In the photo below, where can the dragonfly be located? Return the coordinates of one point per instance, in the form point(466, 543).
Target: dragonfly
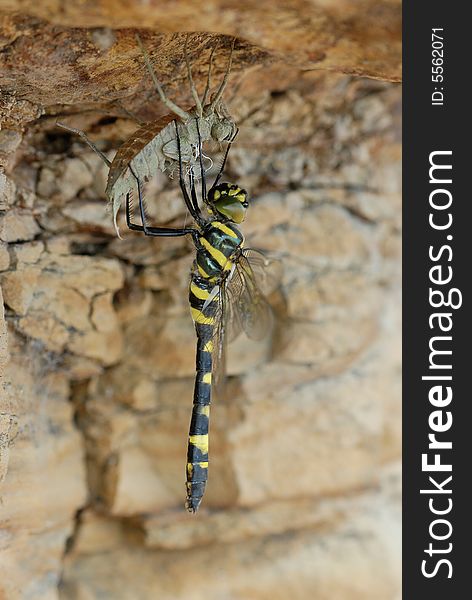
point(228, 283)
point(153, 146)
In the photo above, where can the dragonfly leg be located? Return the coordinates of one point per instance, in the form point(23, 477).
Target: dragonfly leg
point(192, 203)
point(170, 105)
point(153, 231)
point(202, 170)
point(193, 191)
point(223, 164)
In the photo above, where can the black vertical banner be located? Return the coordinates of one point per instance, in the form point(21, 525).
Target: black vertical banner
point(437, 349)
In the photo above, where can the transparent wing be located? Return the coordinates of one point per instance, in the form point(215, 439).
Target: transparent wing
point(242, 306)
point(250, 309)
point(267, 270)
point(220, 340)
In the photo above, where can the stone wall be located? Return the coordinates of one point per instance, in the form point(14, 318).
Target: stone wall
point(97, 346)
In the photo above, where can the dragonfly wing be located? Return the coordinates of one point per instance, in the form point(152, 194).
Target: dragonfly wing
point(267, 270)
point(243, 306)
point(249, 306)
point(219, 343)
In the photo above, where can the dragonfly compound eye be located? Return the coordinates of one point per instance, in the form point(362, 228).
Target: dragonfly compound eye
point(230, 201)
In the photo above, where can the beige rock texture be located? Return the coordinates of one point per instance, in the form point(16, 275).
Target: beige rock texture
point(97, 345)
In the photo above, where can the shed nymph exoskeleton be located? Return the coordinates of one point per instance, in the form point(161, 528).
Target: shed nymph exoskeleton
point(153, 146)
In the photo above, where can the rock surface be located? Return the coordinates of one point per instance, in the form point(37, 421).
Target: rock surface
point(96, 344)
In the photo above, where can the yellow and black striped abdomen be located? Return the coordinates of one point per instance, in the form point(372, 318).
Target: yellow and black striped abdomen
point(197, 454)
point(219, 242)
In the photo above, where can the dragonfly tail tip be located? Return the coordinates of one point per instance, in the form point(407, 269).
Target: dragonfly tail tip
point(192, 504)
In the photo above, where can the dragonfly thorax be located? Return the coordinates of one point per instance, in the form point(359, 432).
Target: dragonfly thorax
point(219, 246)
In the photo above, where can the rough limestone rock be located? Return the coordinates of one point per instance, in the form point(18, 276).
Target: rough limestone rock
point(96, 342)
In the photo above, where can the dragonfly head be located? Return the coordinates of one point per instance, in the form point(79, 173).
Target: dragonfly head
point(229, 201)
